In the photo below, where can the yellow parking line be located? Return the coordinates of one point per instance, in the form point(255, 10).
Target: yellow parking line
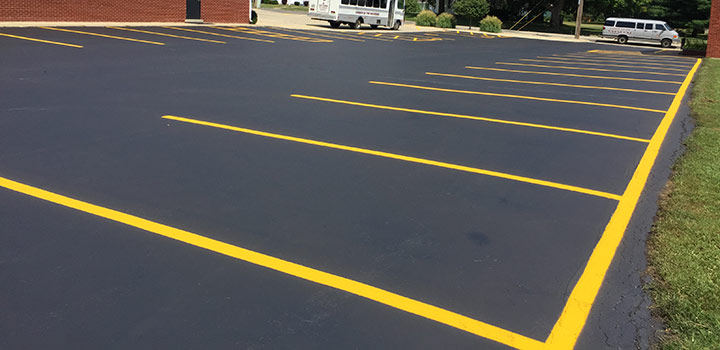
point(403, 158)
point(321, 35)
point(461, 116)
point(346, 35)
point(275, 35)
point(467, 34)
point(573, 75)
point(551, 84)
point(168, 35)
point(631, 63)
point(600, 64)
point(640, 56)
point(567, 329)
point(518, 96)
point(378, 34)
point(218, 34)
point(395, 37)
point(629, 59)
point(592, 69)
point(367, 291)
point(103, 35)
point(41, 41)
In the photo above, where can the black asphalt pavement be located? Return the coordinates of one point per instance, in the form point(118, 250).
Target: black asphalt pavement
point(87, 123)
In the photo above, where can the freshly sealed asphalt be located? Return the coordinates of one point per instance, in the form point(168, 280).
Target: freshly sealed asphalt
point(87, 123)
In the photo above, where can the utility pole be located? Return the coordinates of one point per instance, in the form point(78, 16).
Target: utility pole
point(578, 20)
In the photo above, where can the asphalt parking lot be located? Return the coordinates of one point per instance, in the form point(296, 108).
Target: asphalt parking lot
point(271, 188)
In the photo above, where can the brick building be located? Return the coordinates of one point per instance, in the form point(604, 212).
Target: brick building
point(713, 49)
point(218, 11)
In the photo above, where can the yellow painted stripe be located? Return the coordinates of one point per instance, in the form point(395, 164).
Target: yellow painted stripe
point(103, 35)
point(461, 116)
point(307, 273)
point(401, 157)
point(637, 57)
point(627, 62)
point(567, 329)
point(353, 36)
point(518, 96)
point(275, 35)
point(553, 60)
point(551, 84)
point(592, 69)
point(41, 41)
point(168, 35)
point(574, 75)
point(218, 34)
point(626, 54)
point(315, 33)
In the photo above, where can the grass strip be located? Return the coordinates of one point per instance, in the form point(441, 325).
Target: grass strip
point(684, 247)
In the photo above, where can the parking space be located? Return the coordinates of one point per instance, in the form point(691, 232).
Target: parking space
point(264, 187)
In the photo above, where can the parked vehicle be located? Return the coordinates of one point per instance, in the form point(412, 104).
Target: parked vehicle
point(354, 13)
point(646, 30)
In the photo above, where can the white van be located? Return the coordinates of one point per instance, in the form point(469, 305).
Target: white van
point(624, 29)
point(354, 13)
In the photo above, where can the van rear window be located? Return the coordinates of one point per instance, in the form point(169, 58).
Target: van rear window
point(609, 23)
point(625, 24)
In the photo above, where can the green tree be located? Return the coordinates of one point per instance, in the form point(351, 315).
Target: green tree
point(472, 9)
point(692, 14)
point(412, 7)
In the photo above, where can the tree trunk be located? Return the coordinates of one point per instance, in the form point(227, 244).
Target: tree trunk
point(557, 17)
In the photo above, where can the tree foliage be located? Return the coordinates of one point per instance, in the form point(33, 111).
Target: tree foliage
point(473, 9)
point(693, 14)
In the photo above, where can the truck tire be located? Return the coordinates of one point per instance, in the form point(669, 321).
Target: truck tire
point(622, 39)
point(356, 25)
point(665, 43)
point(334, 24)
point(396, 25)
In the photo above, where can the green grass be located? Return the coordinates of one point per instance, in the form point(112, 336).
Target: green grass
point(684, 248)
point(285, 7)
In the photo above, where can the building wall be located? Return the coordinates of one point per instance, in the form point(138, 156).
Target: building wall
point(713, 49)
point(225, 11)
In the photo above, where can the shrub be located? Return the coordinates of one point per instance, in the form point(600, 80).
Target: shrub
point(472, 9)
point(412, 7)
point(269, 2)
point(491, 24)
point(426, 18)
point(694, 44)
point(446, 20)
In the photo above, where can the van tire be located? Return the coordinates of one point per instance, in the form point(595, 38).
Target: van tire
point(356, 25)
point(665, 43)
point(396, 25)
point(374, 26)
point(622, 39)
point(334, 24)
